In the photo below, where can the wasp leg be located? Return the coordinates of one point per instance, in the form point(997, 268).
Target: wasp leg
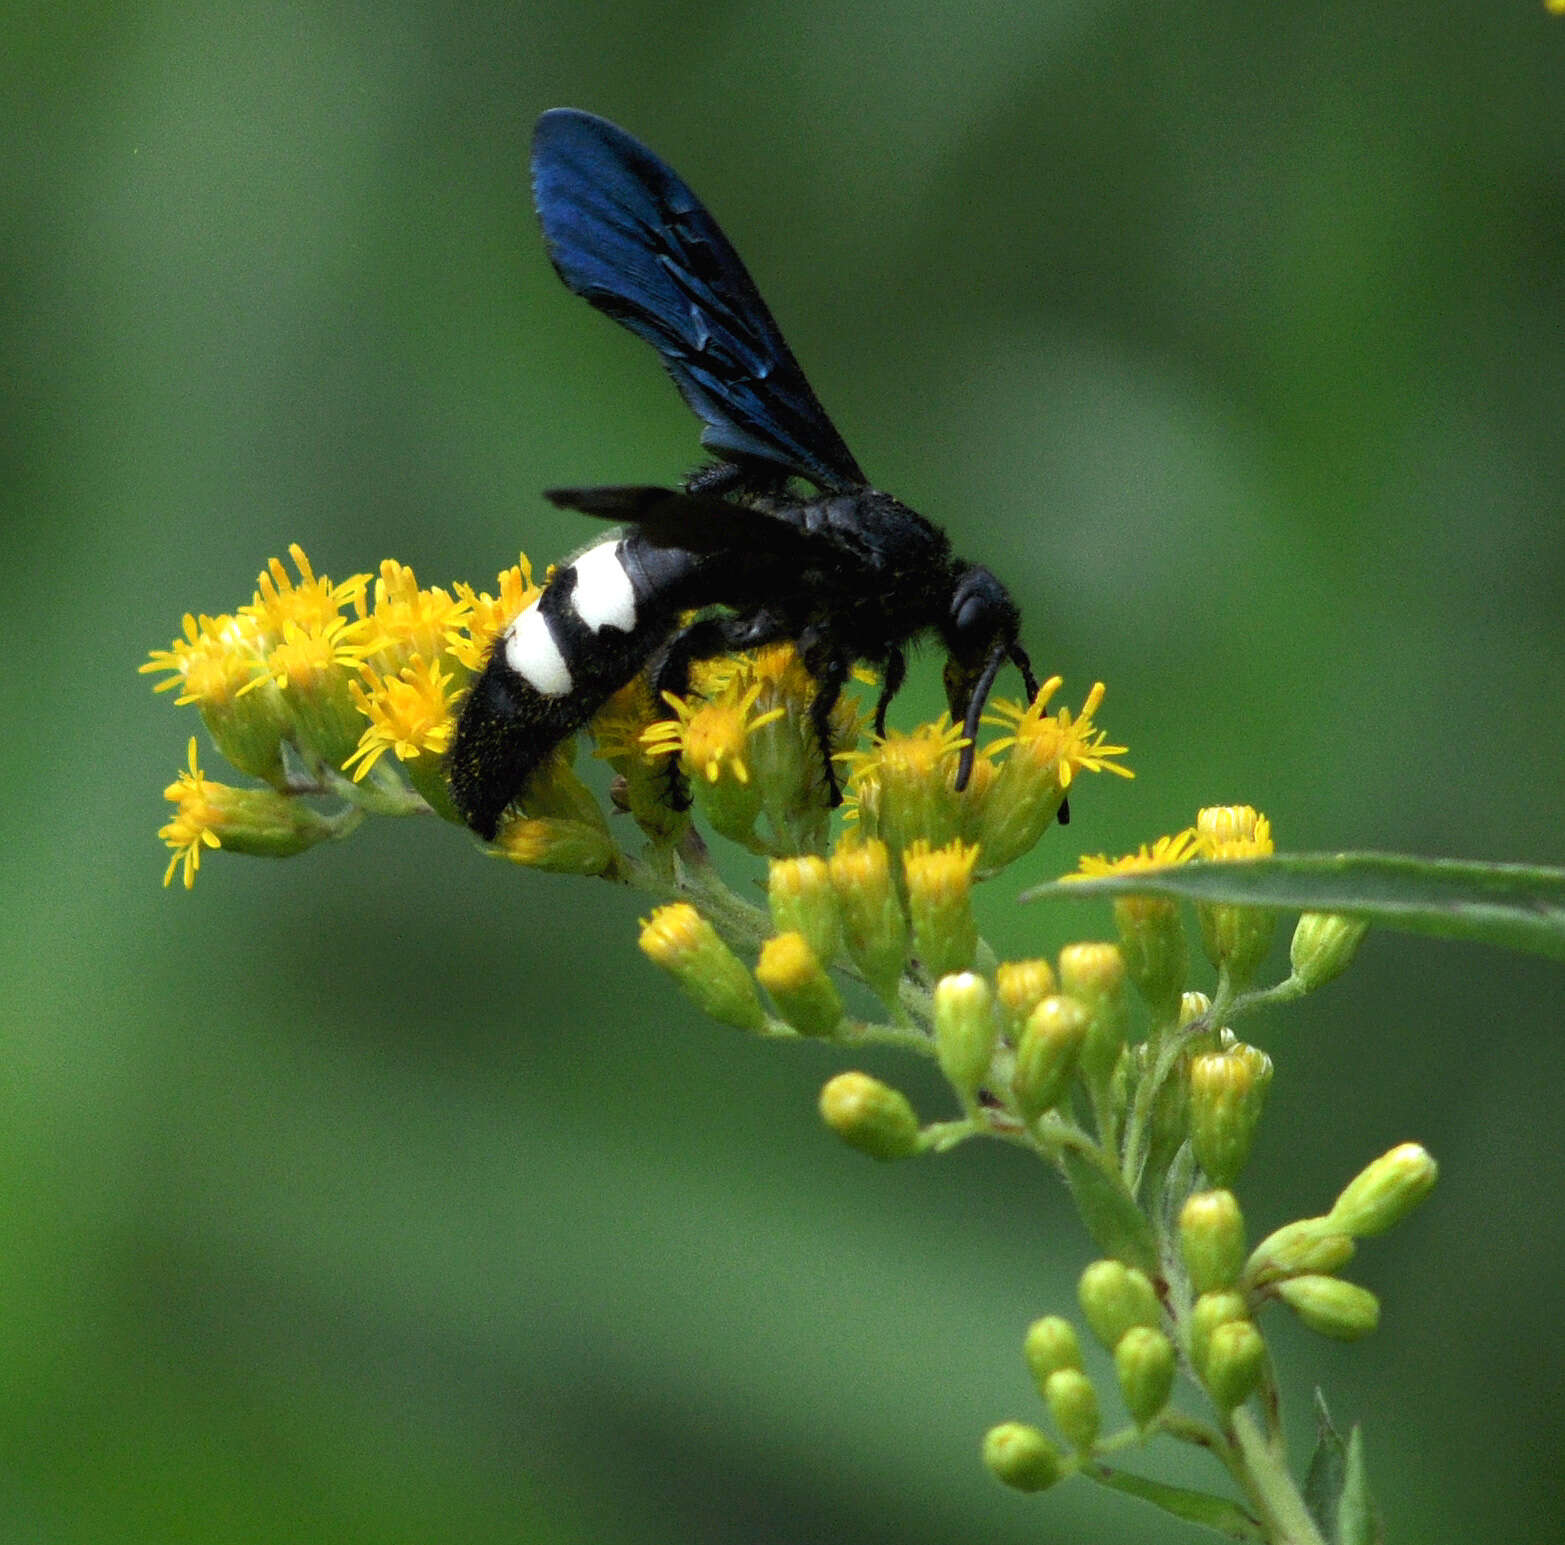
point(704, 639)
point(896, 673)
point(829, 667)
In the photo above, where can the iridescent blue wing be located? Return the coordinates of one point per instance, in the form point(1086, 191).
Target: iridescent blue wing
point(627, 235)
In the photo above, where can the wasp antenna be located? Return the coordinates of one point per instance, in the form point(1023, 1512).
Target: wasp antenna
point(975, 707)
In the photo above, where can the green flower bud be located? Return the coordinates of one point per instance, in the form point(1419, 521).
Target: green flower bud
point(1114, 1298)
point(939, 892)
point(1023, 803)
point(1144, 1362)
point(1019, 987)
point(1335, 1308)
point(1385, 1192)
point(1193, 1006)
point(802, 991)
point(1157, 959)
point(800, 894)
point(732, 805)
point(316, 691)
point(1236, 937)
point(1211, 1239)
point(556, 793)
point(1208, 1312)
point(249, 729)
point(558, 846)
point(1094, 974)
point(1227, 1092)
point(965, 1030)
point(1050, 1346)
point(870, 1116)
point(1324, 944)
point(873, 927)
point(1046, 1055)
point(1073, 1403)
point(1308, 1245)
point(1021, 1456)
point(687, 946)
point(1235, 1361)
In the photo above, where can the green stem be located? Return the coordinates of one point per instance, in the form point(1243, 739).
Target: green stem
point(1266, 1480)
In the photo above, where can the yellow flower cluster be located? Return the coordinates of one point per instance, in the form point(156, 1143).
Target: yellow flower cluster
point(349, 690)
point(309, 685)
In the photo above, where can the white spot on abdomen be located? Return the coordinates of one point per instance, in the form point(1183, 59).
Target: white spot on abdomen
point(603, 596)
point(530, 651)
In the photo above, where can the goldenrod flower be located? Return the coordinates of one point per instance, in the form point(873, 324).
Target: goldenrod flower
point(488, 616)
point(1046, 739)
point(870, 1116)
point(1144, 1364)
point(709, 737)
point(1020, 1456)
point(219, 666)
point(801, 900)
point(1233, 831)
point(1038, 761)
point(1150, 932)
point(939, 886)
point(1236, 938)
point(710, 740)
point(409, 713)
point(214, 815)
point(304, 657)
point(619, 728)
point(308, 604)
point(311, 668)
point(681, 941)
point(406, 622)
point(901, 788)
point(803, 993)
point(195, 821)
point(873, 925)
point(616, 732)
point(556, 845)
point(213, 663)
point(1019, 987)
point(1163, 853)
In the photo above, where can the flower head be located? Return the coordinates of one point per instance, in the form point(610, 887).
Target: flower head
point(214, 815)
point(1163, 853)
point(213, 663)
point(409, 714)
point(195, 821)
point(1056, 740)
point(308, 603)
point(407, 622)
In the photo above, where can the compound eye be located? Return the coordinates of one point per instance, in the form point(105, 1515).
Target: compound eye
point(972, 617)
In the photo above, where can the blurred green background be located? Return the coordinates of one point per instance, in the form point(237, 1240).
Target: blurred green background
point(389, 1195)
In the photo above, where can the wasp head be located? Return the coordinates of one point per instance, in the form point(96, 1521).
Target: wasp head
point(980, 633)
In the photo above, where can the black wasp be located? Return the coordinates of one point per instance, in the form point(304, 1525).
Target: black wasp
point(845, 572)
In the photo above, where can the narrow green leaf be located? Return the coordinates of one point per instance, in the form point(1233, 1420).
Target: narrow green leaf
point(1358, 1519)
point(1515, 906)
point(1336, 1489)
point(1118, 1226)
point(1197, 1507)
point(1323, 1481)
